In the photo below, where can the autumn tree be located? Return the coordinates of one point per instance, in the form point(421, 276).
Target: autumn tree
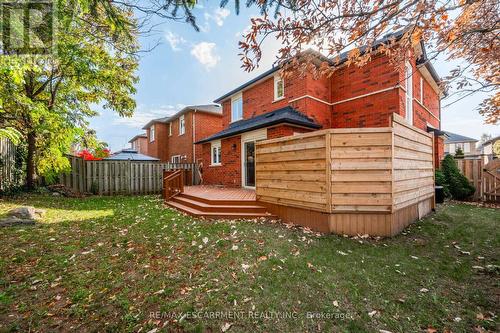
point(465, 30)
point(48, 98)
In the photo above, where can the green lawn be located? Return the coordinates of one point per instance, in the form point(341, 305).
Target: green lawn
point(128, 264)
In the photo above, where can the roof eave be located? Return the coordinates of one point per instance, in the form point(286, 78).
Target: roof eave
point(259, 126)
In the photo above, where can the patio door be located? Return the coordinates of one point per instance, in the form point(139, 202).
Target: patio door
point(249, 163)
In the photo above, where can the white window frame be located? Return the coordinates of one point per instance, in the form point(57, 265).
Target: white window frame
point(236, 99)
point(467, 147)
point(152, 133)
point(182, 125)
point(277, 80)
point(422, 91)
point(409, 92)
point(175, 157)
point(218, 156)
point(170, 129)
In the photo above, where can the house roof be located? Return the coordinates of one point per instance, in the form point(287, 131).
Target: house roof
point(336, 61)
point(436, 131)
point(492, 140)
point(207, 108)
point(284, 115)
point(142, 135)
point(129, 154)
point(453, 137)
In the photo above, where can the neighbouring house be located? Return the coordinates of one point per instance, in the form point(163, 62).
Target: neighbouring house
point(455, 141)
point(129, 154)
point(270, 106)
point(487, 151)
point(140, 143)
point(171, 139)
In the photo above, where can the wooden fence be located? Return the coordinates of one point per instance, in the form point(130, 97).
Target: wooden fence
point(473, 170)
point(368, 180)
point(484, 177)
point(347, 170)
point(8, 177)
point(108, 177)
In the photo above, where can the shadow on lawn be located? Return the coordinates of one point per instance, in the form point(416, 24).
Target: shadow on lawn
point(144, 258)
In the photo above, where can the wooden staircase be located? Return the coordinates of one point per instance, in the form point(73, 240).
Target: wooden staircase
point(215, 207)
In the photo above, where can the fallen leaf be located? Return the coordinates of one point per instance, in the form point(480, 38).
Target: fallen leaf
point(225, 327)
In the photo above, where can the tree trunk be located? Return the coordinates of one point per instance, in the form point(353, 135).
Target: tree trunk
point(30, 161)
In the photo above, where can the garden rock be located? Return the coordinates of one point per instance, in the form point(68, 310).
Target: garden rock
point(25, 215)
point(26, 212)
point(10, 221)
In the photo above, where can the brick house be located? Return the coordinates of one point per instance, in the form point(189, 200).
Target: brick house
point(140, 143)
point(270, 107)
point(171, 139)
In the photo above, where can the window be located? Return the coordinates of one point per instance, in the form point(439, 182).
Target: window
point(169, 129)
point(279, 88)
point(152, 133)
point(422, 90)
point(176, 159)
point(216, 153)
point(182, 125)
point(409, 92)
point(467, 147)
point(237, 107)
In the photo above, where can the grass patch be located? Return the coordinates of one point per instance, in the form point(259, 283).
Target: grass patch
point(123, 264)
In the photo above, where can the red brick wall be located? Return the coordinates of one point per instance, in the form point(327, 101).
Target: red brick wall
point(375, 110)
point(259, 99)
point(229, 172)
point(370, 111)
point(141, 144)
point(206, 124)
point(182, 144)
point(284, 130)
point(159, 147)
point(438, 151)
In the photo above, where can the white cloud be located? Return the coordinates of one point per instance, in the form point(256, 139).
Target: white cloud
point(218, 16)
point(174, 40)
point(205, 53)
point(144, 114)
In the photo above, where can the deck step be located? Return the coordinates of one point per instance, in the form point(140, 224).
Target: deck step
point(216, 214)
point(216, 207)
point(218, 201)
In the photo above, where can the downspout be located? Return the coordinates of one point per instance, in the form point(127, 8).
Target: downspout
point(194, 136)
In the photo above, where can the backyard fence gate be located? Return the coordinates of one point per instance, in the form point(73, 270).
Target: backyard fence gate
point(484, 177)
point(107, 177)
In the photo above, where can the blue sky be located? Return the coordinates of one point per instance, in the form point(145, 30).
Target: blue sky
point(190, 67)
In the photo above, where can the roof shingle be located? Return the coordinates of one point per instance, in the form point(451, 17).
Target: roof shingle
point(284, 115)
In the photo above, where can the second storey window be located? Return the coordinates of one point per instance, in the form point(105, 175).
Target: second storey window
point(216, 153)
point(237, 107)
point(152, 133)
point(421, 90)
point(182, 125)
point(279, 88)
point(409, 92)
point(169, 129)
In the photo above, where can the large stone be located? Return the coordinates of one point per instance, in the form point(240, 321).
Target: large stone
point(14, 220)
point(26, 212)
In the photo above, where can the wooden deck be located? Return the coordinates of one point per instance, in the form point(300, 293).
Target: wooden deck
point(215, 193)
point(216, 202)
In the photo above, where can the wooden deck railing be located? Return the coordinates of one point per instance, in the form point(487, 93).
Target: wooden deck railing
point(173, 183)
